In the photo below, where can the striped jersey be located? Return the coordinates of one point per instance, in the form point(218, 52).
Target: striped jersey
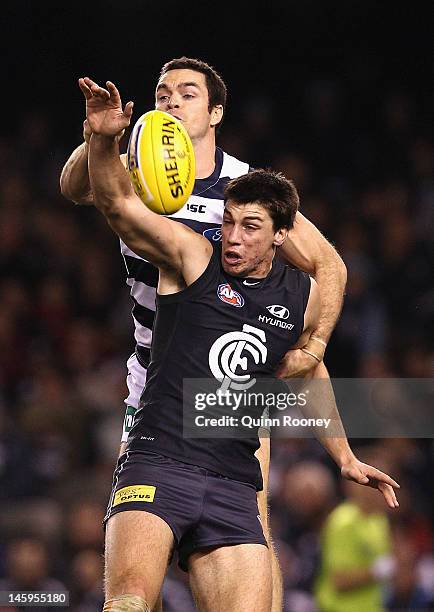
point(203, 212)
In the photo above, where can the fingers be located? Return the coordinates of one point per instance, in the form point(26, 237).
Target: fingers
point(85, 88)
point(128, 111)
point(389, 495)
point(370, 476)
point(91, 89)
point(372, 472)
point(113, 92)
point(356, 475)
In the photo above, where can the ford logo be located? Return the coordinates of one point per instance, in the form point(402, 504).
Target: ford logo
point(214, 234)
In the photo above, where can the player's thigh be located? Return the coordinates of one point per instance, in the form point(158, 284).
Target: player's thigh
point(138, 546)
point(232, 578)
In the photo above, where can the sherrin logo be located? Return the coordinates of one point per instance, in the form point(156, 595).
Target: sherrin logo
point(229, 296)
point(135, 493)
point(278, 311)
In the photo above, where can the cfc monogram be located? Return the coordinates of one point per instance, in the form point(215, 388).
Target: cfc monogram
point(227, 356)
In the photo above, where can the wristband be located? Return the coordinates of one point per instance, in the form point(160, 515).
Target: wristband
point(311, 354)
point(319, 340)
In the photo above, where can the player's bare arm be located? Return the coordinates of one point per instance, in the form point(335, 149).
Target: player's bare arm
point(337, 447)
point(161, 241)
point(307, 249)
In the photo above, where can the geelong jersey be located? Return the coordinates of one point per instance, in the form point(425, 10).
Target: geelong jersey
point(203, 212)
point(219, 319)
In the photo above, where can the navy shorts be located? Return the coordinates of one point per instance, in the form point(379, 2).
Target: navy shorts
point(202, 508)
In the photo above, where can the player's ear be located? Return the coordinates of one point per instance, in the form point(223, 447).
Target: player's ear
point(216, 114)
point(280, 236)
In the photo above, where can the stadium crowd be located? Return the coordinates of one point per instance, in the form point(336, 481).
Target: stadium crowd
point(367, 181)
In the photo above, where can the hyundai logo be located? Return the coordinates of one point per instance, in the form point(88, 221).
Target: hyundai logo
point(278, 311)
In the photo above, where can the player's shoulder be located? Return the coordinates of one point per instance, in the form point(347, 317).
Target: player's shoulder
point(233, 167)
point(294, 277)
point(189, 237)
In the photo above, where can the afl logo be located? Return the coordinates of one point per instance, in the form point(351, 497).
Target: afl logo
point(229, 296)
point(213, 234)
point(278, 311)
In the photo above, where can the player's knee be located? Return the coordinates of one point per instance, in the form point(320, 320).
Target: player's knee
point(126, 603)
point(123, 580)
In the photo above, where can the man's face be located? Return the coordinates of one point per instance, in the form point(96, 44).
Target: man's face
point(183, 93)
point(248, 240)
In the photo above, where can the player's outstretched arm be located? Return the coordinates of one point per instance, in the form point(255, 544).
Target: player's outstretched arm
point(307, 249)
point(160, 240)
point(74, 179)
point(322, 405)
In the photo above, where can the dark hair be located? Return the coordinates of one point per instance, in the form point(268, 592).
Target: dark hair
point(270, 189)
point(215, 85)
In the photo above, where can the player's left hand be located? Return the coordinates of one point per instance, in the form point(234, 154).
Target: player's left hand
point(104, 112)
point(295, 364)
point(367, 475)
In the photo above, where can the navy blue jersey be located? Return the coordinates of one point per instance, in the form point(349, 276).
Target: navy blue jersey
point(220, 326)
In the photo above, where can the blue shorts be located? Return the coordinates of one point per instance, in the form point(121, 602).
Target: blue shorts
point(202, 508)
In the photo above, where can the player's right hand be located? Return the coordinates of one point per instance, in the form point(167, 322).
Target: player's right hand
point(104, 113)
point(295, 364)
point(370, 476)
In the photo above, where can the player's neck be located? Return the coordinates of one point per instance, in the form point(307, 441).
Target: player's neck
point(262, 270)
point(204, 150)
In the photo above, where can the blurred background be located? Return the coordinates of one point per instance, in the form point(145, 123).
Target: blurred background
point(336, 95)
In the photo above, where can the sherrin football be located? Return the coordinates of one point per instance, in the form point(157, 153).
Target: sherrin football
point(160, 162)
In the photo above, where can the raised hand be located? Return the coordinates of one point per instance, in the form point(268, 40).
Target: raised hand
point(104, 112)
point(368, 475)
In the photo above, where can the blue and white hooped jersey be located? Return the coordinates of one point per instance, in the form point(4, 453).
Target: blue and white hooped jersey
point(203, 212)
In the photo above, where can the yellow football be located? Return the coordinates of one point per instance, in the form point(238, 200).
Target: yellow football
point(160, 162)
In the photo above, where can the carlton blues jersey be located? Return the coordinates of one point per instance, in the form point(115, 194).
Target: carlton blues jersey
point(219, 326)
point(203, 212)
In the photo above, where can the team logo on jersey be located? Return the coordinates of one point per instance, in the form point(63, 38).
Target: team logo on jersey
point(213, 234)
point(228, 360)
point(229, 296)
point(278, 311)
